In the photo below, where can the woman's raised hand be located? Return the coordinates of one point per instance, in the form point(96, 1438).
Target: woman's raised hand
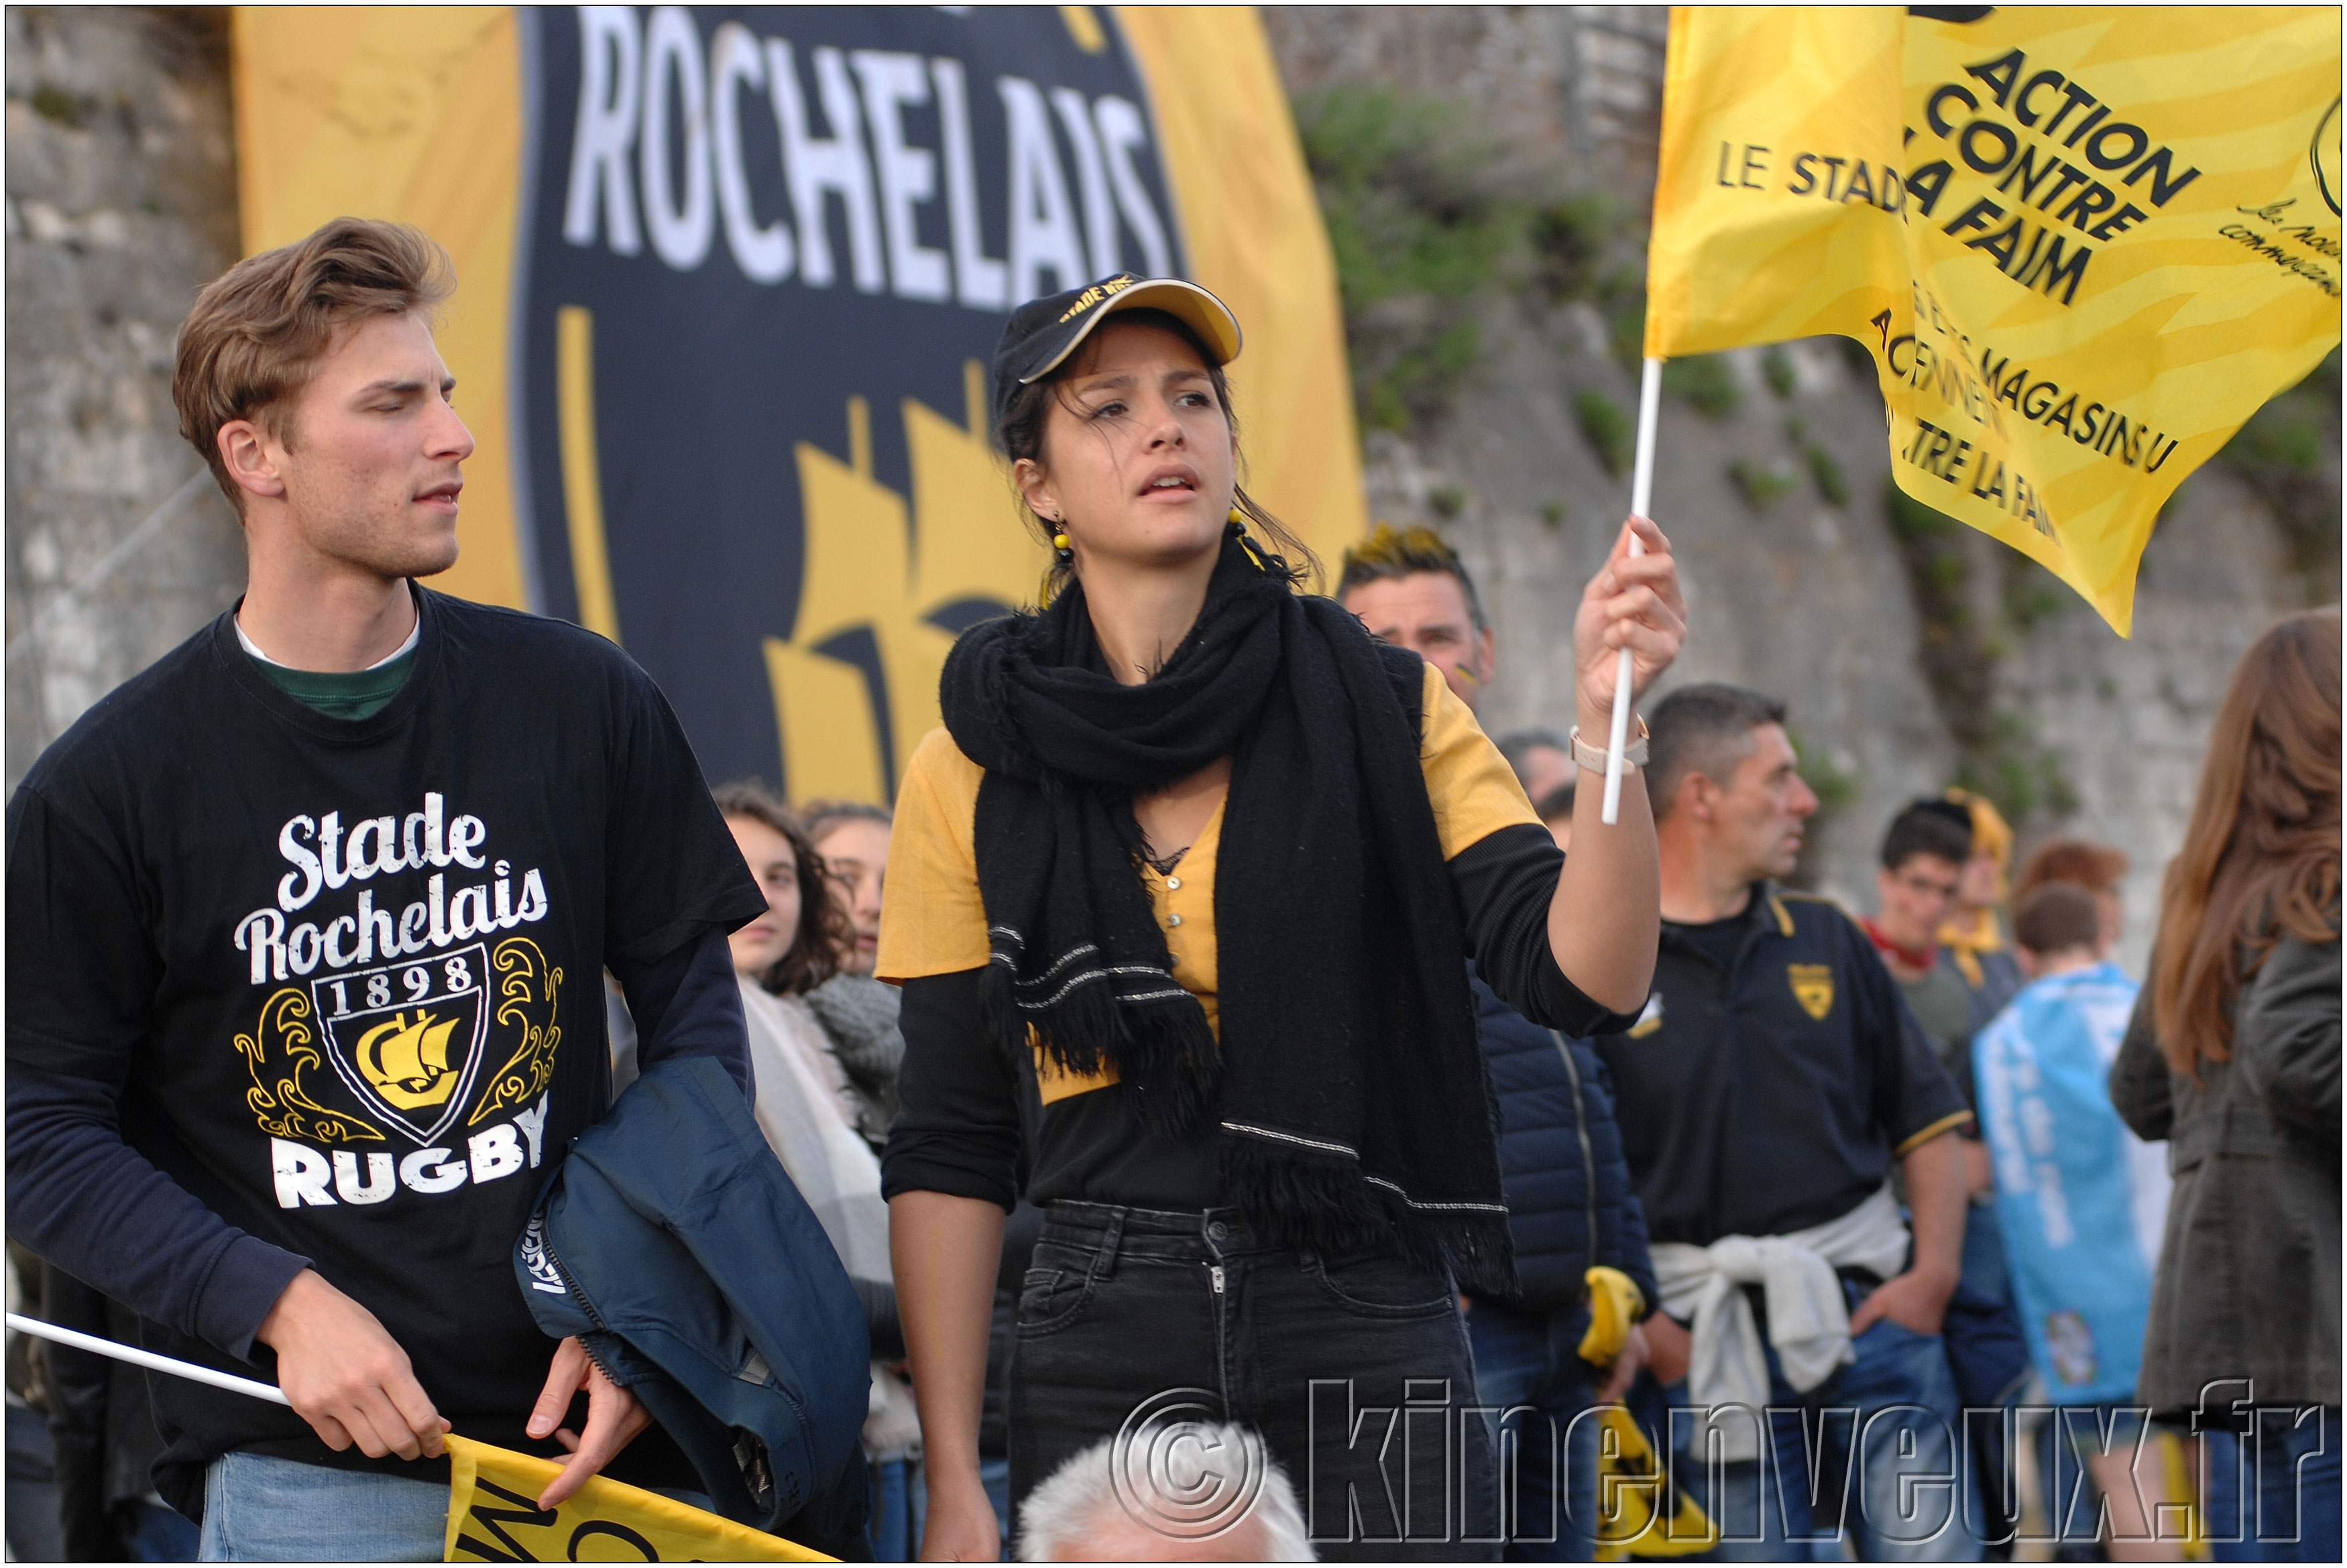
point(1633, 602)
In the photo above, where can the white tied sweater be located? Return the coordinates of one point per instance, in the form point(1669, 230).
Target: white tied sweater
point(1808, 1321)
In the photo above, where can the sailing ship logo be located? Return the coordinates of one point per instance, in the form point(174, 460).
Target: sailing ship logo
point(408, 1063)
point(407, 1038)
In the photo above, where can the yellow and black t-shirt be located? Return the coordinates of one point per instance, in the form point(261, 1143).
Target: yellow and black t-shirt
point(968, 1115)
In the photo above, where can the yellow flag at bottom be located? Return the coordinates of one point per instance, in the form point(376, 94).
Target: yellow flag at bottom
point(494, 1517)
point(1641, 1511)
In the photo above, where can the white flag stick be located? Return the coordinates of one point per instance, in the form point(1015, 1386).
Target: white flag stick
point(1641, 497)
point(148, 1358)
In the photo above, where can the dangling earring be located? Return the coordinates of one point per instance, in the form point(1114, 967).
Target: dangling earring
point(1254, 553)
point(1060, 545)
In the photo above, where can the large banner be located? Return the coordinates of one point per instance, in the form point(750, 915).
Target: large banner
point(2084, 243)
point(729, 281)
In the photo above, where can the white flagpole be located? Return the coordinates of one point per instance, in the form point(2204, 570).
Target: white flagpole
point(148, 1358)
point(1642, 498)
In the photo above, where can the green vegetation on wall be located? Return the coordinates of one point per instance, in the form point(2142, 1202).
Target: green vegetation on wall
point(1420, 237)
point(1607, 429)
point(2288, 452)
point(1832, 485)
point(1705, 382)
point(1430, 224)
point(1997, 749)
point(1762, 485)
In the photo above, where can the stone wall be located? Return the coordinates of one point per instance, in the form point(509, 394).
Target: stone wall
point(1799, 595)
point(121, 202)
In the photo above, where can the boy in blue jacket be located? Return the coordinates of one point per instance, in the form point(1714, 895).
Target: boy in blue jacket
point(2081, 1203)
point(1568, 1340)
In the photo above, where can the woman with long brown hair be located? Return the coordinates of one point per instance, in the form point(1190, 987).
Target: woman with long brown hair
point(2233, 1058)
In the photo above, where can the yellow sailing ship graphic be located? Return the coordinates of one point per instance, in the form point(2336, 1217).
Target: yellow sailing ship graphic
point(409, 1038)
point(408, 1063)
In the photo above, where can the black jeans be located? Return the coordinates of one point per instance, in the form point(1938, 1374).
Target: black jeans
point(1354, 1370)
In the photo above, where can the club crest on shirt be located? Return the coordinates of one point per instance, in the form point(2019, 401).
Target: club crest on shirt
point(1813, 988)
point(407, 1038)
point(454, 1053)
point(412, 1046)
point(402, 1014)
point(1650, 1020)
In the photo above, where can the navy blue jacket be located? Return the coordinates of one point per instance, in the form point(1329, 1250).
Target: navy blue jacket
point(673, 1244)
point(1569, 1202)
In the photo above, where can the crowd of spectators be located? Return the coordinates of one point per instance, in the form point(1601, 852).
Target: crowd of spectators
point(1911, 1233)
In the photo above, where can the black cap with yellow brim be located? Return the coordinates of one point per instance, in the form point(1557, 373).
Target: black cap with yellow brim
point(1042, 333)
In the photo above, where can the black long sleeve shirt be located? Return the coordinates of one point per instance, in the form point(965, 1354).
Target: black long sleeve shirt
point(969, 1113)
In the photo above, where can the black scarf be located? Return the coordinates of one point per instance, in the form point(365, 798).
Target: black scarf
point(1348, 1087)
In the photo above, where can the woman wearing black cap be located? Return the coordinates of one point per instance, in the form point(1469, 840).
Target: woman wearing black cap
point(1179, 899)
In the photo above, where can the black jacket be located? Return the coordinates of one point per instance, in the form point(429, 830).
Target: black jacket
point(1570, 1202)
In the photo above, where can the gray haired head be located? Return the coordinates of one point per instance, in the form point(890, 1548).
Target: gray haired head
point(1233, 1503)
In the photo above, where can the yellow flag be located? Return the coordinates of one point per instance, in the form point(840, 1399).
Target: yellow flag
point(1641, 1512)
point(2084, 243)
point(494, 1517)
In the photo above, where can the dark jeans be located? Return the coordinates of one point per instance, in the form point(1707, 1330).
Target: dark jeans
point(2274, 1496)
point(1982, 1263)
point(1866, 1462)
point(1529, 1372)
point(1354, 1370)
point(155, 1534)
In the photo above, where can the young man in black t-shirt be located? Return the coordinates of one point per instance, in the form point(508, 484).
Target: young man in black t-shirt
point(305, 926)
point(1766, 1095)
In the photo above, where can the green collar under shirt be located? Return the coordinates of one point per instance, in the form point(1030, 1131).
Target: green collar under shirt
point(340, 694)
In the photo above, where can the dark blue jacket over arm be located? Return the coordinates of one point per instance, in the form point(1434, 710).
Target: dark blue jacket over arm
point(1570, 1202)
point(673, 1244)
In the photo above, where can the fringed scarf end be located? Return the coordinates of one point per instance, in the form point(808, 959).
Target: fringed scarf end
point(1163, 1050)
point(1170, 1058)
point(1325, 1206)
